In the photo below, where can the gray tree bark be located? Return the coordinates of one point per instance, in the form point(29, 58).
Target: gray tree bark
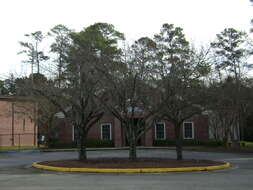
point(179, 142)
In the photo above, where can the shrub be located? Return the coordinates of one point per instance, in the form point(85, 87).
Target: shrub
point(62, 145)
point(52, 142)
point(213, 142)
point(92, 143)
point(167, 142)
point(170, 142)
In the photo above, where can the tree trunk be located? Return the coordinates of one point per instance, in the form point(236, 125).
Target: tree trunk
point(242, 120)
point(132, 149)
point(48, 133)
point(82, 146)
point(179, 144)
point(226, 138)
point(49, 130)
point(132, 145)
point(38, 68)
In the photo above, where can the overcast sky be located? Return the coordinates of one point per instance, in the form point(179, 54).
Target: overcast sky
point(200, 19)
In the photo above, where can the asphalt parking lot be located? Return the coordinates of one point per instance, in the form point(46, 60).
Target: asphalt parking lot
point(16, 173)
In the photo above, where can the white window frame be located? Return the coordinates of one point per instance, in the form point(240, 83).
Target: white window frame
point(192, 130)
point(164, 130)
point(101, 130)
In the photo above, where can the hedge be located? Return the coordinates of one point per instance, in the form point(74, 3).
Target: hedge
point(169, 142)
point(92, 143)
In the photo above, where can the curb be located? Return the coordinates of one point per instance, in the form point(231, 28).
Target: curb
point(134, 170)
point(20, 151)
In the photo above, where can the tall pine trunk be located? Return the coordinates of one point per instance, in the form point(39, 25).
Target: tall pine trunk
point(179, 143)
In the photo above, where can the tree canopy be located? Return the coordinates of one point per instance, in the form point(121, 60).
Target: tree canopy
point(160, 78)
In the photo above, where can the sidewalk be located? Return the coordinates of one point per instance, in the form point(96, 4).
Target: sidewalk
point(110, 148)
point(187, 148)
point(88, 149)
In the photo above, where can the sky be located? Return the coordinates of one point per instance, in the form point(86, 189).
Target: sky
point(200, 19)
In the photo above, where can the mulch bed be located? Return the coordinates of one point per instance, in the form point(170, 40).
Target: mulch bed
point(126, 163)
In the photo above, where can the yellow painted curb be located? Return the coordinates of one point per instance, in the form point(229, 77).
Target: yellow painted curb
point(134, 170)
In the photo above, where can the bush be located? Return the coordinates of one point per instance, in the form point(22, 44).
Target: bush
point(213, 142)
point(169, 142)
point(62, 145)
point(92, 143)
point(246, 143)
point(52, 142)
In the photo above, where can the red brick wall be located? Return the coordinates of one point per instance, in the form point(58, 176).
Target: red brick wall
point(149, 137)
point(200, 129)
point(95, 131)
point(5, 118)
point(170, 130)
point(17, 120)
point(65, 131)
point(117, 137)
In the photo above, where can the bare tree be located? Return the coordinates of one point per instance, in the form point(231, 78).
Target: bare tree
point(224, 109)
point(130, 93)
point(78, 98)
point(179, 71)
point(231, 47)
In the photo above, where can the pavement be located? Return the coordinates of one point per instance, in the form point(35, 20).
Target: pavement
point(16, 173)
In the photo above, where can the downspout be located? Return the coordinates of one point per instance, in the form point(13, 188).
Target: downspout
point(35, 124)
point(12, 123)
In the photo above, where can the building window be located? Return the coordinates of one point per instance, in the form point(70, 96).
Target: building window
point(106, 131)
point(188, 130)
point(160, 131)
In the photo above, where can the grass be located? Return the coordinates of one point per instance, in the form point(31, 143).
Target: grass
point(247, 143)
point(7, 148)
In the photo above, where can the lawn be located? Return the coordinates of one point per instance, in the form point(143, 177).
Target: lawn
point(6, 148)
point(247, 143)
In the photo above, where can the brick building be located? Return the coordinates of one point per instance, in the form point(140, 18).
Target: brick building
point(109, 128)
point(17, 121)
